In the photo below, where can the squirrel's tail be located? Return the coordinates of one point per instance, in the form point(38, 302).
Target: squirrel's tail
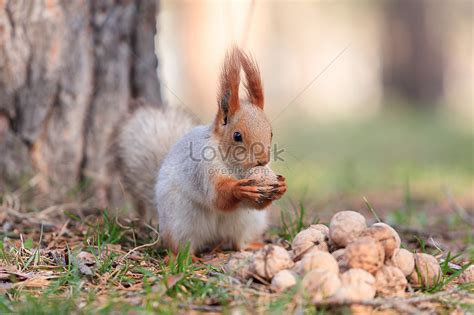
point(141, 143)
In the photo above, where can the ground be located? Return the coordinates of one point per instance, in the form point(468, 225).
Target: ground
point(72, 258)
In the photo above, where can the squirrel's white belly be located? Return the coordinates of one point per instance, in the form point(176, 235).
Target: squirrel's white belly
point(203, 227)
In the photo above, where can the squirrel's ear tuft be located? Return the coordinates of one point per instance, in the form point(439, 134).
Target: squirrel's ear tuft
point(253, 83)
point(224, 105)
point(228, 94)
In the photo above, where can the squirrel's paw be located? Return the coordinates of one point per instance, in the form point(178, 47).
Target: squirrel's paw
point(247, 189)
point(280, 188)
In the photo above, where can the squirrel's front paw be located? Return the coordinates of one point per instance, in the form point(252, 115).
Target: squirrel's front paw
point(280, 187)
point(246, 189)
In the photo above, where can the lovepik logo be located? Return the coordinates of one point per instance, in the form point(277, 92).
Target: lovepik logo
point(234, 153)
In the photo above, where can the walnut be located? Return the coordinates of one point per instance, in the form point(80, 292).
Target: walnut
point(269, 260)
point(390, 282)
point(359, 283)
point(332, 246)
point(403, 260)
point(341, 259)
point(317, 259)
point(238, 265)
point(345, 227)
point(386, 235)
point(306, 240)
point(338, 254)
point(296, 266)
point(322, 228)
point(263, 175)
point(427, 271)
point(283, 280)
point(365, 253)
point(467, 276)
point(321, 284)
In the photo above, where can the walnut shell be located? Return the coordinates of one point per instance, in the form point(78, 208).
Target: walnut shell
point(467, 276)
point(360, 284)
point(390, 282)
point(322, 228)
point(317, 260)
point(269, 260)
point(403, 260)
point(341, 259)
point(338, 254)
point(283, 280)
point(296, 266)
point(365, 253)
point(238, 265)
point(321, 284)
point(386, 235)
point(263, 175)
point(345, 227)
point(427, 271)
point(306, 240)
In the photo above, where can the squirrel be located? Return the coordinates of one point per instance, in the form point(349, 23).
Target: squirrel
point(194, 176)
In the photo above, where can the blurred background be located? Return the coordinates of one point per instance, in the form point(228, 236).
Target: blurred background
point(366, 98)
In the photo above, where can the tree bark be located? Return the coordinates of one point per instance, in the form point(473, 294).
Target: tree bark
point(68, 70)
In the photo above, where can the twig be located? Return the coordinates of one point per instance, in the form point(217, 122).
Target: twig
point(433, 242)
point(140, 247)
point(144, 245)
point(202, 308)
point(152, 228)
point(121, 225)
point(401, 304)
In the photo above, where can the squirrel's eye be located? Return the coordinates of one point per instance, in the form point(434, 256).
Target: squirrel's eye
point(237, 136)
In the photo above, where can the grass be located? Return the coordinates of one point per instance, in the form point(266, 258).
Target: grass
point(149, 283)
point(448, 274)
point(293, 221)
point(327, 167)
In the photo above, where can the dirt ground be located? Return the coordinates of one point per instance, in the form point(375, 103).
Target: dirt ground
point(70, 258)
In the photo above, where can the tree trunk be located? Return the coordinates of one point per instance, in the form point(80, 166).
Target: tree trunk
point(412, 54)
point(68, 70)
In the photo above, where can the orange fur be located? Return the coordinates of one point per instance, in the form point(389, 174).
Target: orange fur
point(253, 83)
point(225, 199)
point(228, 94)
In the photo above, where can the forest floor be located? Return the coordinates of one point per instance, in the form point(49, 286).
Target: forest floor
point(71, 259)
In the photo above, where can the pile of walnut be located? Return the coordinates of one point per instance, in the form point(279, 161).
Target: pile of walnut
point(347, 261)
